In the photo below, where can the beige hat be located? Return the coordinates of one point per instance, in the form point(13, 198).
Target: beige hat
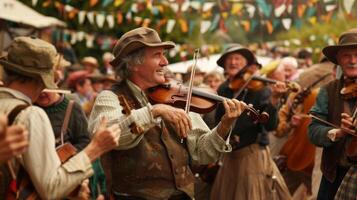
point(347, 40)
point(90, 60)
point(61, 62)
point(237, 48)
point(32, 57)
point(135, 39)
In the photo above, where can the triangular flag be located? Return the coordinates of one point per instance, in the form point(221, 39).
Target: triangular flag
point(92, 2)
point(290, 8)
point(195, 4)
point(73, 38)
point(129, 16)
point(253, 25)
point(34, 2)
point(279, 10)
point(264, 7)
point(250, 9)
point(185, 6)
point(170, 25)
point(301, 9)
point(327, 18)
point(110, 20)
point(118, 2)
point(276, 23)
point(286, 23)
point(246, 25)
point(191, 26)
point(100, 18)
point(80, 35)
point(214, 22)
point(348, 4)
point(298, 23)
point(105, 3)
point(146, 22)
point(224, 15)
point(81, 16)
point(205, 24)
point(134, 8)
point(174, 7)
point(184, 26)
point(72, 14)
point(155, 10)
point(313, 20)
point(311, 12)
point(330, 7)
point(90, 16)
point(207, 6)
point(138, 20)
point(119, 17)
point(269, 27)
point(236, 8)
point(89, 40)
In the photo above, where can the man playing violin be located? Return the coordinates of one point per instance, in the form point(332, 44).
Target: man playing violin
point(152, 162)
point(337, 107)
point(255, 174)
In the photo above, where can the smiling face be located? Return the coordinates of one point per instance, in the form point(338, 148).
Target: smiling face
point(347, 59)
point(233, 63)
point(47, 99)
point(151, 72)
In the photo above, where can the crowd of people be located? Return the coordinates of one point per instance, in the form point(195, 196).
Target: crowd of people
point(104, 130)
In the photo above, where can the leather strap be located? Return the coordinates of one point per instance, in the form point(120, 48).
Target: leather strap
point(66, 120)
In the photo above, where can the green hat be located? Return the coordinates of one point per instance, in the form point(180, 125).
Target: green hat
point(136, 39)
point(32, 57)
point(236, 48)
point(347, 40)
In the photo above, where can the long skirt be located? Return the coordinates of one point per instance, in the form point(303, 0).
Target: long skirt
point(249, 173)
point(348, 187)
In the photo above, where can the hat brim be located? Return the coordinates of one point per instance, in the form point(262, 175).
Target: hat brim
point(47, 76)
point(134, 45)
point(331, 51)
point(243, 51)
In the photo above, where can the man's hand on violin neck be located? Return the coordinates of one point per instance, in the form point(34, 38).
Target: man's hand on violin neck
point(175, 116)
point(347, 123)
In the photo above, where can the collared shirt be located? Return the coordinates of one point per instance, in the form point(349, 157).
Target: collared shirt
point(204, 145)
point(51, 179)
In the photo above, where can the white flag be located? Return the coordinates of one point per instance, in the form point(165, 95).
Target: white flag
point(205, 26)
point(110, 21)
point(170, 25)
point(90, 16)
point(89, 40)
point(81, 16)
point(286, 23)
point(348, 5)
point(279, 10)
point(100, 18)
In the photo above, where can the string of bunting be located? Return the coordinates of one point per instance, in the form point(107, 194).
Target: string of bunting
point(213, 14)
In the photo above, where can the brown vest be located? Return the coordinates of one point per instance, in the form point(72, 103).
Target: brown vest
point(331, 155)
point(154, 168)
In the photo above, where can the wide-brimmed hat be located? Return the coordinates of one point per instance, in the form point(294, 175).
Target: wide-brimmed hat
point(346, 40)
point(90, 60)
point(32, 57)
point(136, 39)
point(236, 48)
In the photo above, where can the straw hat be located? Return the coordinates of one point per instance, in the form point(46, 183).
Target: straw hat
point(90, 60)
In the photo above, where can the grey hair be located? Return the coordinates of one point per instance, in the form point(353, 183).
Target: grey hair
point(12, 76)
point(124, 69)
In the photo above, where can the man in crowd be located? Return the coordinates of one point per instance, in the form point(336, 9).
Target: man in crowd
point(336, 106)
point(153, 163)
point(28, 70)
point(248, 172)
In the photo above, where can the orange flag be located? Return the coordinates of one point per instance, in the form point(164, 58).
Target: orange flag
point(301, 9)
point(93, 2)
point(184, 26)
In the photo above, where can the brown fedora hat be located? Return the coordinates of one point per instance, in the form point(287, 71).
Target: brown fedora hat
point(136, 39)
point(32, 57)
point(347, 39)
point(236, 48)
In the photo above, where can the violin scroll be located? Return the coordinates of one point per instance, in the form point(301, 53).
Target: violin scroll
point(256, 116)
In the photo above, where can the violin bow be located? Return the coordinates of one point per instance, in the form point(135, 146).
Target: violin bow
point(190, 87)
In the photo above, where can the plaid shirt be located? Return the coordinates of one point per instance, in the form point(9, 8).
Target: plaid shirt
point(348, 187)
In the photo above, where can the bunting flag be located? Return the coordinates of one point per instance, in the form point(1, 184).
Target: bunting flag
point(279, 10)
point(117, 3)
point(170, 25)
point(207, 6)
point(313, 20)
point(90, 16)
point(301, 10)
point(327, 18)
point(236, 8)
point(191, 27)
point(174, 7)
point(119, 17)
point(100, 19)
point(264, 7)
point(253, 25)
point(81, 16)
point(298, 23)
point(205, 24)
point(183, 25)
point(110, 21)
point(330, 7)
point(250, 9)
point(348, 4)
point(246, 25)
point(106, 3)
point(276, 23)
point(80, 36)
point(195, 4)
point(185, 6)
point(92, 2)
point(269, 27)
point(214, 22)
point(89, 40)
point(34, 2)
point(311, 11)
point(286, 23)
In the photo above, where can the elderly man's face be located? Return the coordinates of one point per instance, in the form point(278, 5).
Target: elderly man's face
point(233, 63)
point(347, 59)
point(152, 71)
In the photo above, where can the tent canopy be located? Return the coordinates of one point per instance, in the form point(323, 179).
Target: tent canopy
point(15, 11)
point(206, 64)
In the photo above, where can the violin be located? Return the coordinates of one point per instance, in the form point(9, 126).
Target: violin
point(349, 90)
point(253, 82)
point(175, 94)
